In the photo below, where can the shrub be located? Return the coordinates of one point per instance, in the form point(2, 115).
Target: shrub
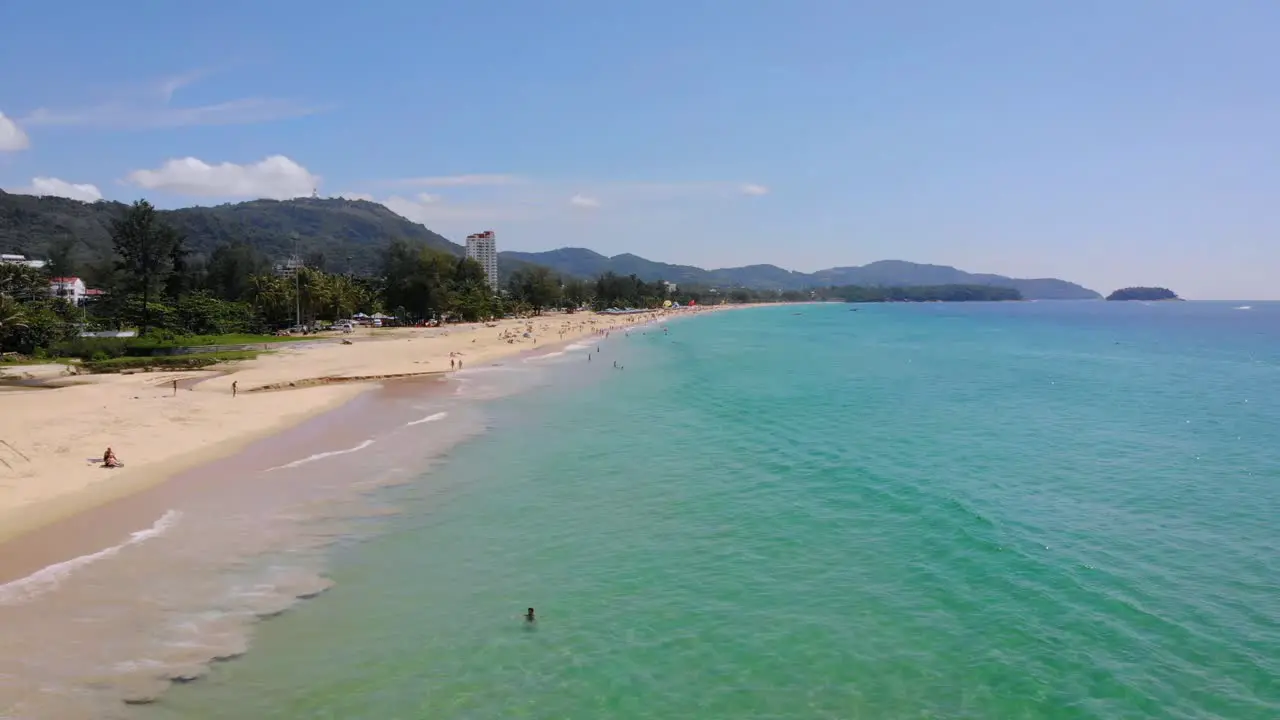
point(97, 348)
point(183, 362)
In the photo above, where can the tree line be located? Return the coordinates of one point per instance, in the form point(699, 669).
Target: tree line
point(155, 284)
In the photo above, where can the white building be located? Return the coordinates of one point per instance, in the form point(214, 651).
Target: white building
point(71, 289)
point(289, 267)
point(482, 248)
point(22, 260)
point(671, 288)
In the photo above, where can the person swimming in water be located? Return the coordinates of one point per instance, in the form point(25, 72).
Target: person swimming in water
point(529, 618)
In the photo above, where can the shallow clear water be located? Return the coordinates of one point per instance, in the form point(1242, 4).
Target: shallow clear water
point(1030, 510)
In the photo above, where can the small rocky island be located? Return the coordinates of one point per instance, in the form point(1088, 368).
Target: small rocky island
point(1144, 293)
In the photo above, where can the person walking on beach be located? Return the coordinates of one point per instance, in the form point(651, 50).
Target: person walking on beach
point(175, 388)
point(234, 384)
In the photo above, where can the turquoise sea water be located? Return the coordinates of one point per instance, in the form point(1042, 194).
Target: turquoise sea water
point(1029, 510)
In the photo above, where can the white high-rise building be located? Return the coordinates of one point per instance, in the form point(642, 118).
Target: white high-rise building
point(482, 248)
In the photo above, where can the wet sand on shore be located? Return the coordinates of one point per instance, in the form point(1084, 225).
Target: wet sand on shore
point(52, 440)
point(110, 606)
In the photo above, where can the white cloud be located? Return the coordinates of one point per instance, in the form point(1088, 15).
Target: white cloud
point(515, 201)
point(632, 192)
point(591, 193)
point(275, 177)
point(12, 137)
point(475, 180)
point(441, 216)
point(61, 188)
point(408, 209)
point(151, 106)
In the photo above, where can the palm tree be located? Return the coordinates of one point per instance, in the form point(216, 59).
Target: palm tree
point(11, 314)
point(271, 297)
point(346, 297)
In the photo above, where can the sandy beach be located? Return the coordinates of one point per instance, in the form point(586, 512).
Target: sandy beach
point(52, 439)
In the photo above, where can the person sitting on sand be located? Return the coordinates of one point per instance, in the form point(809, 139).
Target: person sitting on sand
point(109, 459)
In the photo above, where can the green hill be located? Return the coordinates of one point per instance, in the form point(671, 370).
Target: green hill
point(331, 228)
point(349, 235)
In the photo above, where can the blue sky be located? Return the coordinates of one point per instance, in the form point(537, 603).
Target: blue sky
point(1109, 143)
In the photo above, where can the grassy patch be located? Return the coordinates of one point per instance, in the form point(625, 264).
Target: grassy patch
point(200, 340)
point(102, 349)
point(24, 360)
point(166, 362)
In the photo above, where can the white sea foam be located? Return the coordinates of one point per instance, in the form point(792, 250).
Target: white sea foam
point(494, 369)
point(570, 348)
point(48, 578)
point(321, 456)
point(430, 418)
point(545, 356)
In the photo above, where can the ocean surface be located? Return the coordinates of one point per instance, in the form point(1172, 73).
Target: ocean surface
point(1016, 510)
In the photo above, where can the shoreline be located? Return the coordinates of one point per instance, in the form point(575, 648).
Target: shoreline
point(51, 435)
point(77, 535)
point(117, 604)
point(17, 522)
point(56, 575)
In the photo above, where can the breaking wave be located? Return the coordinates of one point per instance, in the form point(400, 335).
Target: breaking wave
point(48, 578)
point(321, 456)
point(430, 418)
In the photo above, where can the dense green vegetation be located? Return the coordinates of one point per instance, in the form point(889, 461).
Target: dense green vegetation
point(926, 293)
point(1143, 293)
point(234, 297)
point(334, 235)
point(350, 237)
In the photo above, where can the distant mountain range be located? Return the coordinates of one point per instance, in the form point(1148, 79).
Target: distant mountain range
point(350, 235)
point(885, 273)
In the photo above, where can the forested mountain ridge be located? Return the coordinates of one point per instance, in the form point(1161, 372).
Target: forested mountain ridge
point(343, 235)
point(884, 273)
point(329, 228)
